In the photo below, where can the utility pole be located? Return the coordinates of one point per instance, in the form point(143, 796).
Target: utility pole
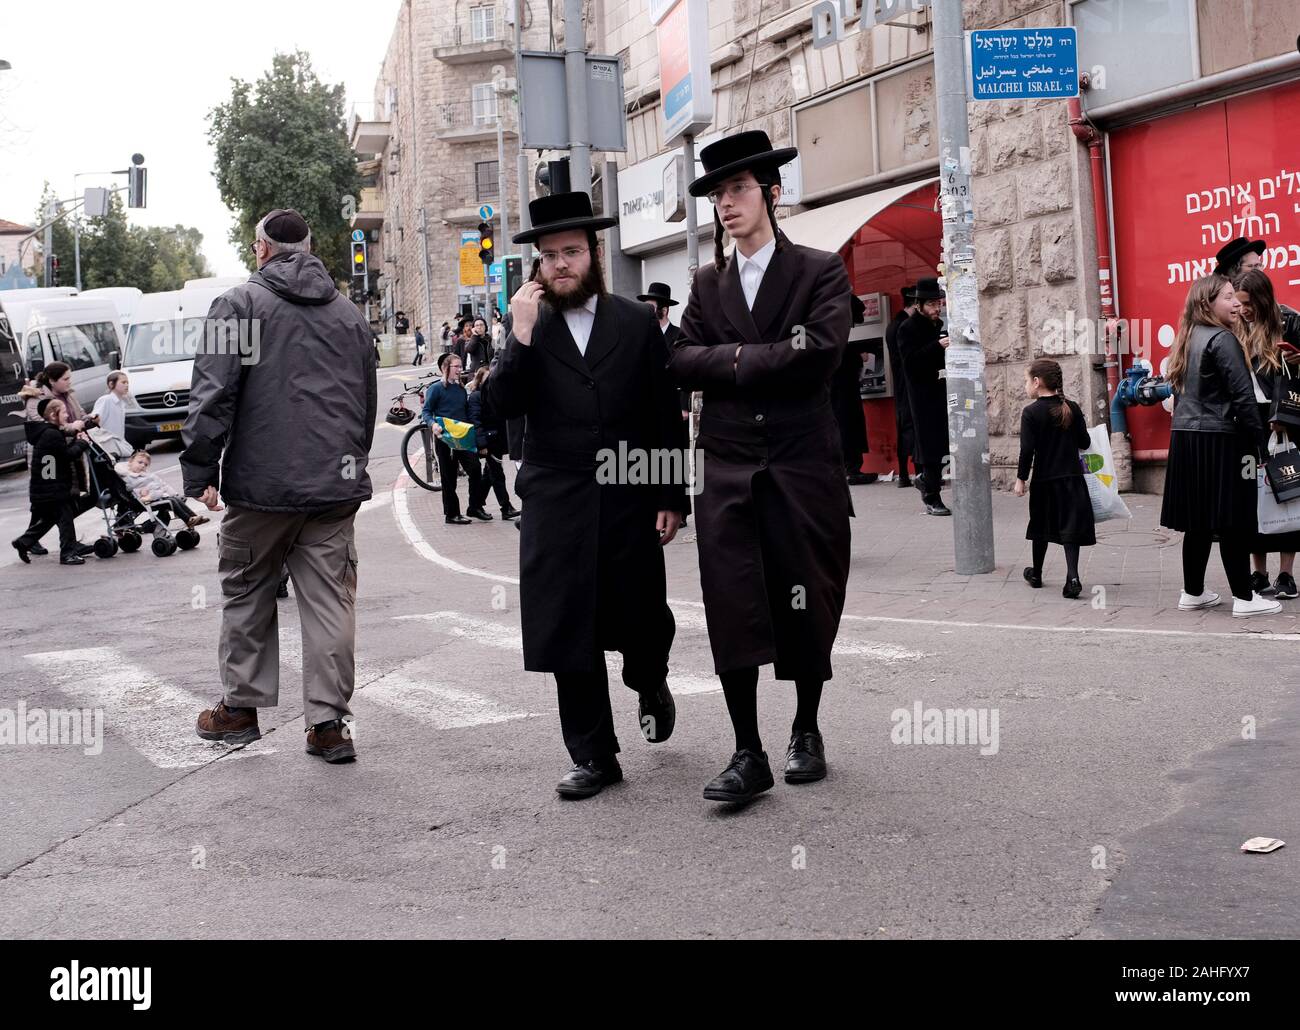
point(48, 243)
point(692, 219)
point(575, 80)
point(521, 160)
point(968, 422)
point(501, 176)
point(424, 269)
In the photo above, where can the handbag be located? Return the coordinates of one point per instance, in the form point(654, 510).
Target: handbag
point(1286, 399)
point(1283, 469)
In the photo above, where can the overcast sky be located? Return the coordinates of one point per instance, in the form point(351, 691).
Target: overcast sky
point(94, 82)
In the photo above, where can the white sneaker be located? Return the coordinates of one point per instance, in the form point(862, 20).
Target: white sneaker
point(1193, 602)
point(1255, 606)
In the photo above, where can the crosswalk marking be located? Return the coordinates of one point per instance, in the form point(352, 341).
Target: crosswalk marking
point(442, 707)
point(153, 716)
point(693, 618)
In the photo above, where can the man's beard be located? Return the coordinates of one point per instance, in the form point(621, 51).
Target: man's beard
point(590, 285)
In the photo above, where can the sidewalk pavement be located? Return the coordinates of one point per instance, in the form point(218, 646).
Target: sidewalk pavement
point(903, 567)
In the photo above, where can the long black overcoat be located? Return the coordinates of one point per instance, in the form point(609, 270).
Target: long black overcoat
point(927, 390)
point(772, 512)
point(591, 567)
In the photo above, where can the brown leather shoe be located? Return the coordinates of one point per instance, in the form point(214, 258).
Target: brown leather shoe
point(330, 742)
point(229, 727)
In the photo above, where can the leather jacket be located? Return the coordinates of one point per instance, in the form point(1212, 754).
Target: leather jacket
point(1217, 395)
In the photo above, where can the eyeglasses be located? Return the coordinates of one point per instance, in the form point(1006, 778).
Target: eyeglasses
point(735, 191)
point(253, 246)
point(570, 254)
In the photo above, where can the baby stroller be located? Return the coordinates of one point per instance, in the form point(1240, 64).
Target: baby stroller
point(131, 517)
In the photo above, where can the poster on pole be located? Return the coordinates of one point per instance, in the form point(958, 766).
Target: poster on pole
point(471, 267)
point(685, 79)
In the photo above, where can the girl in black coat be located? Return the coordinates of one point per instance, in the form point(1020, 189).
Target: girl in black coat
point(1052, 433)
point(51, 492)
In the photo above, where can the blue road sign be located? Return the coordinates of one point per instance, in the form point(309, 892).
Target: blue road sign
point(358, 236)
point(486, 212)
point(1040, 64)
point(494, 275)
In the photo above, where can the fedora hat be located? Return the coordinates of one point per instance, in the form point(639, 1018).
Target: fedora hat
point(1230, 253)
point(660, 293)
point(743, 152)
point(927, 289)
point(561, 212)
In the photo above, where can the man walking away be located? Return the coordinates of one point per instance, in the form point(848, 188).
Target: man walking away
point(281, 419)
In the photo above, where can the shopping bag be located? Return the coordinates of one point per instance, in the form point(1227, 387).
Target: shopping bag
point(1099, 473)
point(1283, 467)
point(459, 436)
point(1286, 399)
point(1275, 516)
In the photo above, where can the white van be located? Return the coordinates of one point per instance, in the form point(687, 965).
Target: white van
point(166, 329)
point(124, 298)
point(41, 327)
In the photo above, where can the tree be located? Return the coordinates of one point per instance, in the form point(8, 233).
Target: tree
point(282, 142)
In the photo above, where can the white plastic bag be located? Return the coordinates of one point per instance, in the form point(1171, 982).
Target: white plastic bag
point(1099, 473)
point(1275, 516)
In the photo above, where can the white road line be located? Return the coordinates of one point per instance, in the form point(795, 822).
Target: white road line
point(153, 716)
point(425, 550)
point(376, 502)
point(692, 618)
point(439, 706)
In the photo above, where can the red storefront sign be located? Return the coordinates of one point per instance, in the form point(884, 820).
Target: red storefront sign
point(1182, 187)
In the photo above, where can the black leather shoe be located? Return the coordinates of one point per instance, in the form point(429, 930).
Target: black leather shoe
point(745, 778)
point(478, 513)
point(657, 714)
point(805, 758)
point(938, 509)
point(22, 551)
point(1072, 589)
point(589, 778)
point(37, 550)
point(72, 559)
point(510, 513)
point(457, 520)
point(904, 482)
point(1033, 578)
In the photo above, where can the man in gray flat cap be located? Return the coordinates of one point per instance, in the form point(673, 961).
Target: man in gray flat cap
point(281, 419)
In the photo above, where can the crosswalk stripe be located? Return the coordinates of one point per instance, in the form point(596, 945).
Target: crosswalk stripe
point(155, 717)
point(442, 707)
point(693, 618)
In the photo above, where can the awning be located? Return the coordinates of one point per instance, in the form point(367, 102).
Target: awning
point(830, 227)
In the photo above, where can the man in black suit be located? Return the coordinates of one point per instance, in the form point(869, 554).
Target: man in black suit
point(902, 406)
point(921, 344)
point(588, 371)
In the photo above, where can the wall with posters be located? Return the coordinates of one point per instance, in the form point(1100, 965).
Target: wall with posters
point(1184, 185)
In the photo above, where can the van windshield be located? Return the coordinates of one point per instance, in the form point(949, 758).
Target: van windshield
point(153, 343)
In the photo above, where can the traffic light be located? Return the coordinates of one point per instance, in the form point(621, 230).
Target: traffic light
point(54, 271)
point(136, 186)
point(485, 253)
point(358, 260)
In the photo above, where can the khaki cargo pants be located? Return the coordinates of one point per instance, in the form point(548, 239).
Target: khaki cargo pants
point(320, 552)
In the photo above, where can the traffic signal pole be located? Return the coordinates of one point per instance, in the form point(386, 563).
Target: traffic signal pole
point(575, 78)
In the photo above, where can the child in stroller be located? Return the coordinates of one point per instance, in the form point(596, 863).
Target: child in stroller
point(150, 489)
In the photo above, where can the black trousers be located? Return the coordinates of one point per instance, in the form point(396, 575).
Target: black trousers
point(494, 479)
point(1234, 552)
point(448, 460)
point(173, 506)
point(586, 719)
point(45, 516)
point(903, 428)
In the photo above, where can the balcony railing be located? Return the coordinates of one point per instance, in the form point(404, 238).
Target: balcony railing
point(472, 120)
point(479, 34)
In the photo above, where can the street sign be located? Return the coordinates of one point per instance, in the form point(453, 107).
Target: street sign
point(1039, 64)
point(494, 275)
point(685, 81)
point(486, 212)
point(358, 236)
point(471, 268)
point(544, 112)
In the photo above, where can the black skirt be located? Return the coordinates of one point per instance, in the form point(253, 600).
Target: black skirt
point(1205, 488)
point(1060, 512)
point(1273, 543)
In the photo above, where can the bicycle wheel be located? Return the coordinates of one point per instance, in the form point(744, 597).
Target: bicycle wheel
point(419, 457)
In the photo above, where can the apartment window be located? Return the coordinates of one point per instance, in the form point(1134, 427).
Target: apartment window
point(484, 104)
point(487, 180)
point(482, 24)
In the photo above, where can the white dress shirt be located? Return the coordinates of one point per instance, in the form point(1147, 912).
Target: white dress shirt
point(580, 321)
point(752, 269)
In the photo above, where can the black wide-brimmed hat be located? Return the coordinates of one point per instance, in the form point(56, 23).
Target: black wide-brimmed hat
point(744, 152)
point(660, 293)
point(1230, 253)
point(927, 289)
point(561, 212)
point(909, 295)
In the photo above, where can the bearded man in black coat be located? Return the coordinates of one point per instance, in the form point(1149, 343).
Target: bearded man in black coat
point(601, 442)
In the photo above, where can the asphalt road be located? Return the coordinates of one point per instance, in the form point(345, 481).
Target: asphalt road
point(1112, 806)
